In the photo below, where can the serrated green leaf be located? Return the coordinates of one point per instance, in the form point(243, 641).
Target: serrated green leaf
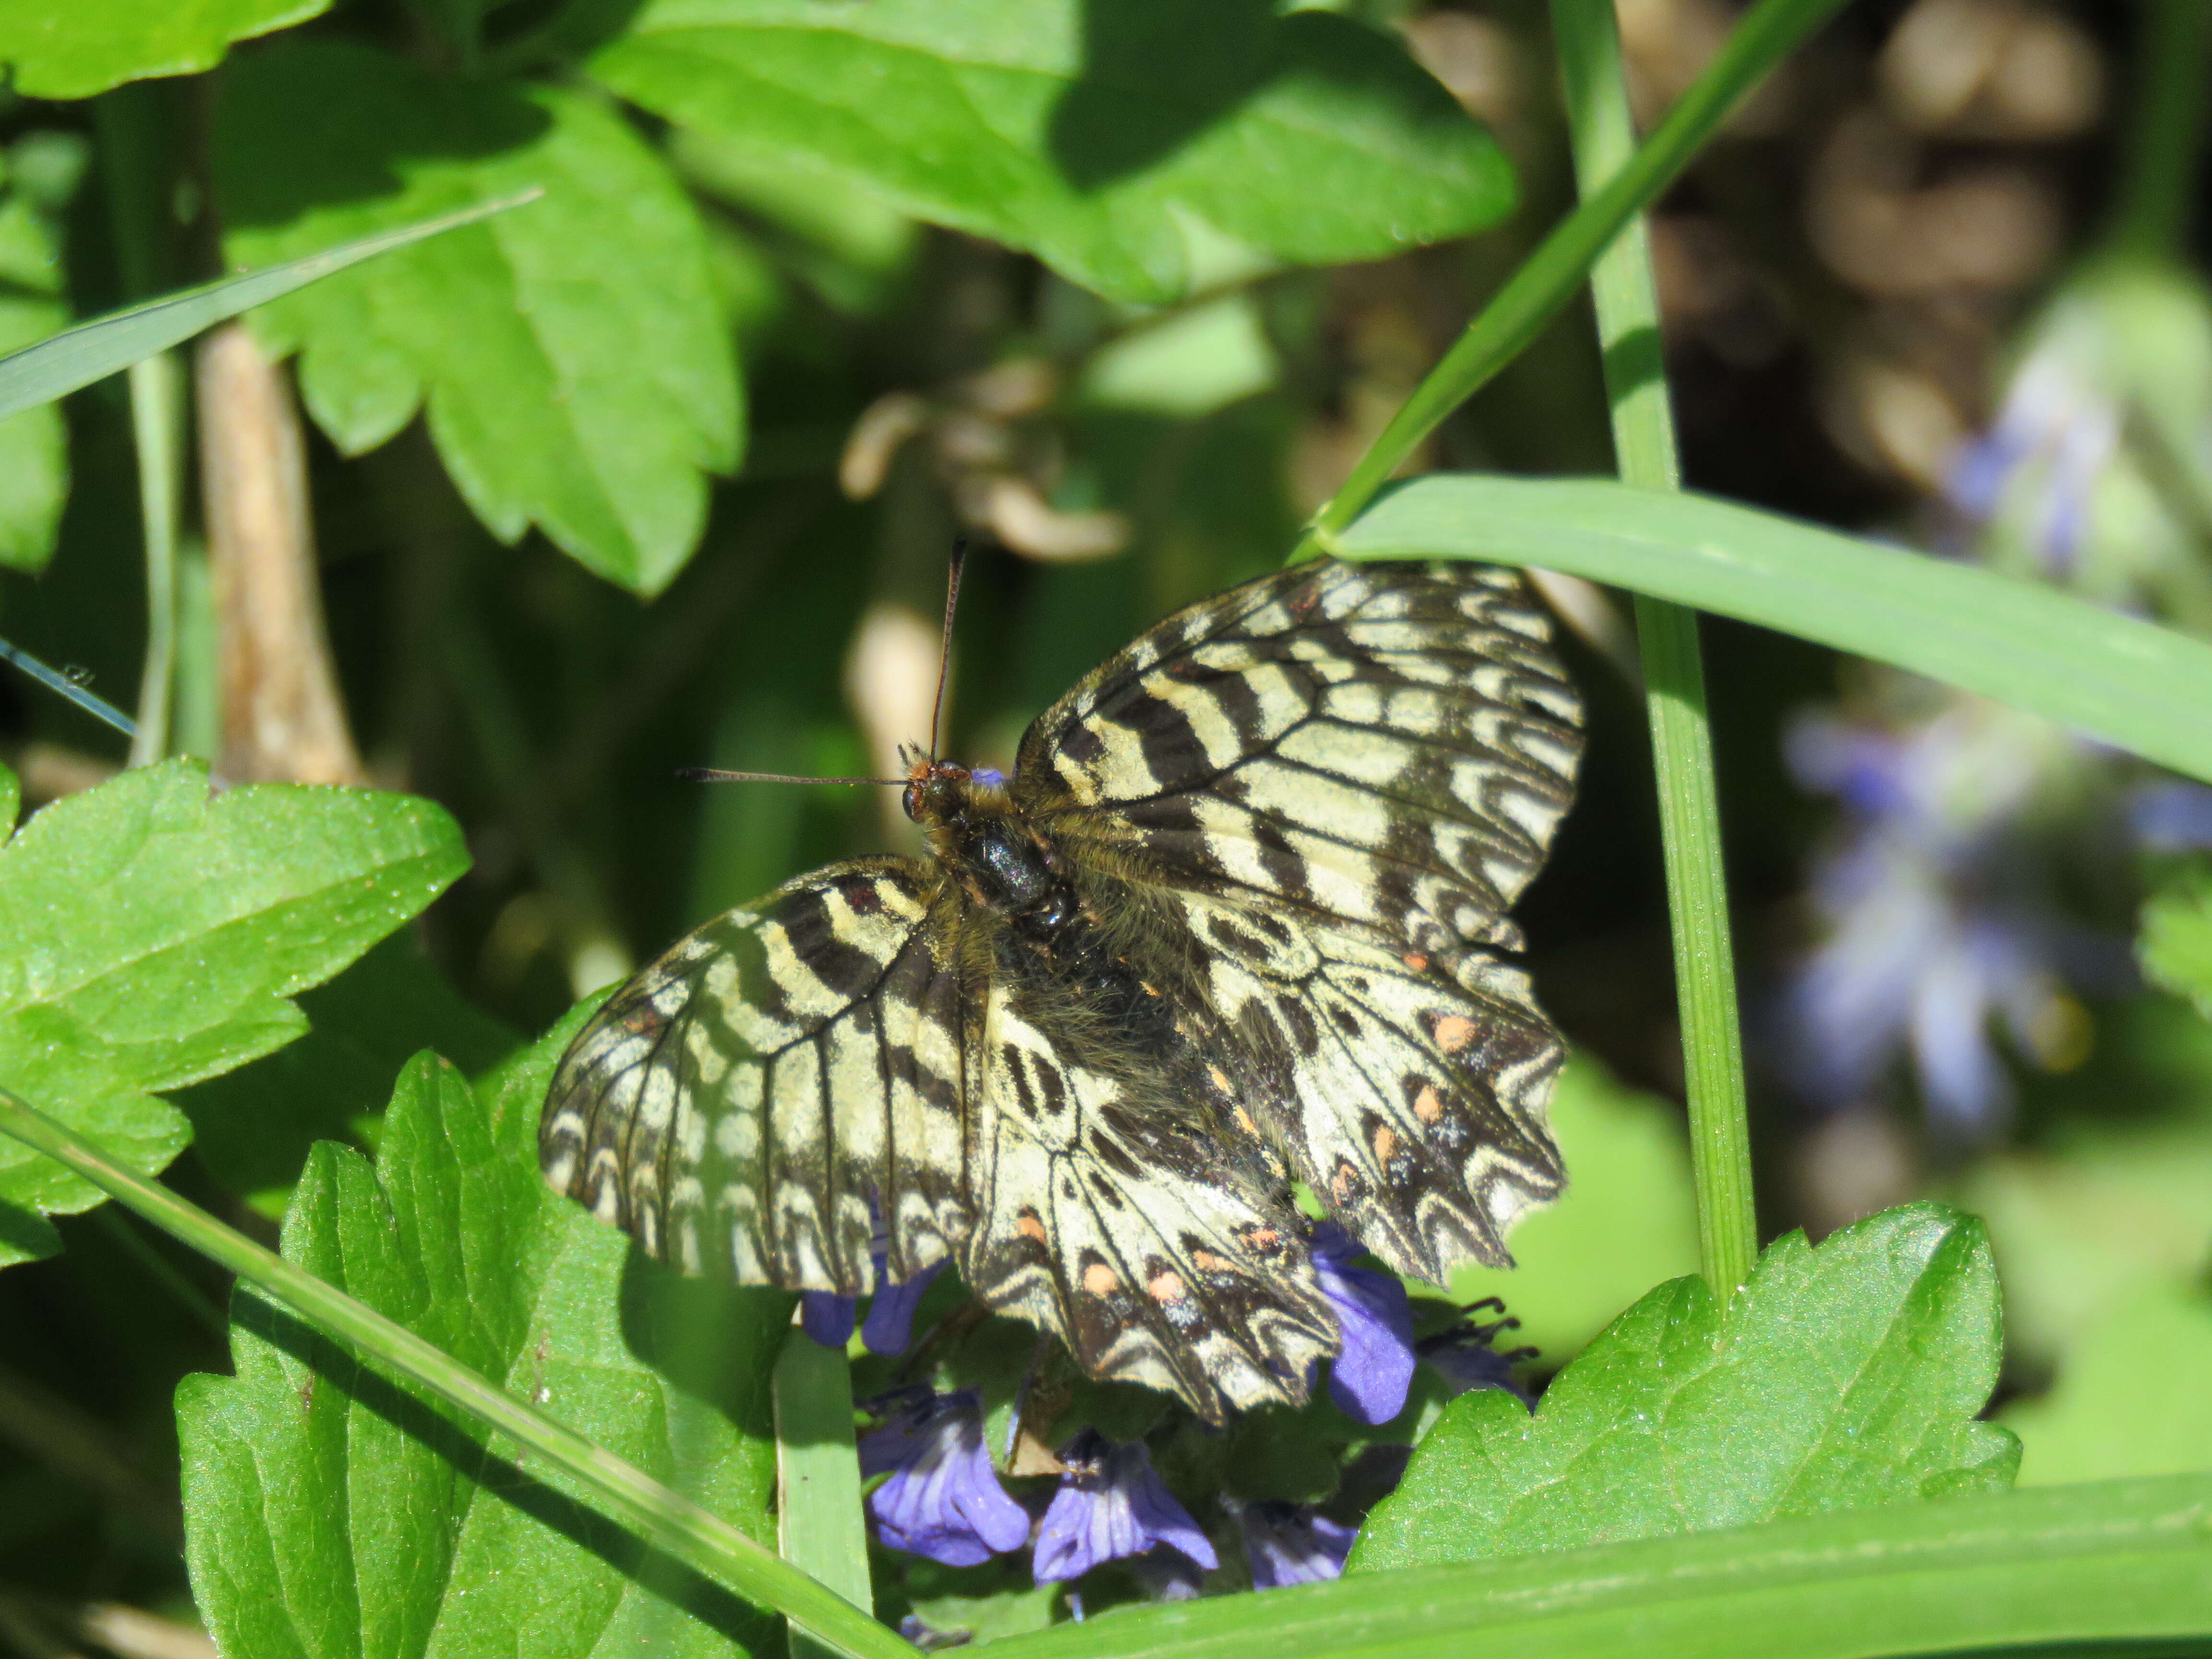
point(151, 937)
point(2130, 1398)
point(252, 1127)
point(33, 447)
point(2175, 946)
point(1839, 1378)
point(1626, 1222)
point(1140, 148)
point(59, 49)
point(575, 366)
point(330, 1510)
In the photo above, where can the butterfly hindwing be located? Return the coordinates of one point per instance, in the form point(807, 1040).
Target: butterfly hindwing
point(755, 1101)
point(1105, 1214)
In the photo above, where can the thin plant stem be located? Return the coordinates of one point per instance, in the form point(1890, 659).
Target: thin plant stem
point(1627, 304)
point(701, 1540)
point(2166, 128)
point(157, 430)
point(1547, 279)
point(60, 683)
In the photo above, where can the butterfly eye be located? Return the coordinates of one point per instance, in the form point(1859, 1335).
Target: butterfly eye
point(912, 801)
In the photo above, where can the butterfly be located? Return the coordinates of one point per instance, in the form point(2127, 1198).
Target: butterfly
point(1237, 920)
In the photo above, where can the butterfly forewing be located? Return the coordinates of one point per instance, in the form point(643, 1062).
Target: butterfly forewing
point(1268, 850)
point(1350, 771)
point(784, 1078)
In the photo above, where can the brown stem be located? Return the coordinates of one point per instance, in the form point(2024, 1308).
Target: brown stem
point(282, 717)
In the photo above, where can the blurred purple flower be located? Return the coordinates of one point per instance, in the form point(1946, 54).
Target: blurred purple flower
point(2171, 817)
point(1111, 1504)
point(2055, 425)
point(1289, 1544)
point(1369, 1378)
point(1465, 1357)
point(827, 1317)
point(1923, 951)
point(943, 1499)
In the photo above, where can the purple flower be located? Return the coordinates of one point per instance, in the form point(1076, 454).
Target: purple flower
point(1934, 931)
point(1466, 1359)
point(827, 1317)
point(1289, 1544)
point(1370, 1375)
point(1111, 1504)
point(2171, 817)
point(943, 1499)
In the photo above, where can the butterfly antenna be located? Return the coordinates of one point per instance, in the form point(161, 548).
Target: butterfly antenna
point(715, 774)
point(944, 651)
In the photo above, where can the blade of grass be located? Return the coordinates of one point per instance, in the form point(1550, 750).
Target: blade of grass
point(91, 351)
point(1547, 279)
point(2113, 1561)
point(2130, 683)
point(817, 1474)
point(1627, 303)
point(701, 1539)
point(55, 681)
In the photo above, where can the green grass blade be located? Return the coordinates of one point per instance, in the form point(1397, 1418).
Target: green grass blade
point(107, 345)
point(1547, 279)
point(2116, 1560)
point(62, 685)
point(818, 1475)
point(1627, 302)
point(2130, 683)
point(674, 1522)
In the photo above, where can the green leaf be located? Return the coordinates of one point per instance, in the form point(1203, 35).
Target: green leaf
point(330, 1510)
point(33, 447)
point(107, 345)
point(151, 937)
point(11, 802)
point(2130, 683)
point(2175, 946)
point(1626, 1222)
point(1142, 148)
point(1840, 1376)
point(61, 49)
point(2130, 1398)
point(254, 1126)
point(575, 366)
point(2109, 1562)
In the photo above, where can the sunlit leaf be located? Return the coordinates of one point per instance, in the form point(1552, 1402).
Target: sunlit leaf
point(574, 367)
point(1840, 1376)
point(1140, 148)
point(152, 937)
point(331, 1509)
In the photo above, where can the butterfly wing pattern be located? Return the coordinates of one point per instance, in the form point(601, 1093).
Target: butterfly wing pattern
point(1336, 779)
point(1235, 920)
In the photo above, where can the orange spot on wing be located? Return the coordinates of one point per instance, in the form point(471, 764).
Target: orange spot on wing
point(1098, 1279)
point(1206, 1263)
point(1416, 961)
point(1244, 1122)
point(1166, 1287)
point(1454, 1032)
point(1029, 1227)
point(1428, 1105)
point(1386, 1143)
